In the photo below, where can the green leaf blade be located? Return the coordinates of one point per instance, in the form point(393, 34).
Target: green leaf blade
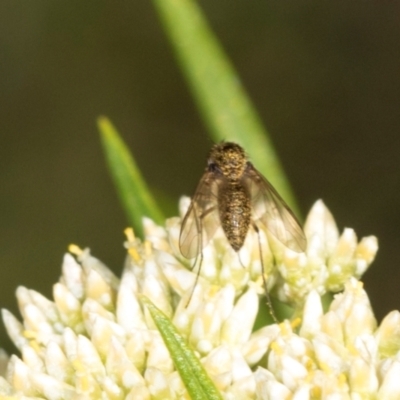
point(217, 90)
point(191, 371)
point(131, 187)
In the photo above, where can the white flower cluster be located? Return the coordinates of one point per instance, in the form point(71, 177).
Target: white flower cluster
point(329, 262)
point(95, 340)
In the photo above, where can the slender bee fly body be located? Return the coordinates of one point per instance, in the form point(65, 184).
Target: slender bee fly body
point(234, 195)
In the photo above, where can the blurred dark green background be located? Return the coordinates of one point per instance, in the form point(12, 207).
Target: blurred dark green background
point(324, 76)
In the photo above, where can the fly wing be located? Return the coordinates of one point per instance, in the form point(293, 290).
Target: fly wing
point(270, 209)
point(201, 219)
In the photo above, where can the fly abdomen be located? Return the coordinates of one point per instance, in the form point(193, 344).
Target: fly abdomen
point(235, 213)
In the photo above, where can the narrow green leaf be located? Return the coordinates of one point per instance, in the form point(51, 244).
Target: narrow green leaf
point(132, 189)
point(217, 89)
point(194, 377)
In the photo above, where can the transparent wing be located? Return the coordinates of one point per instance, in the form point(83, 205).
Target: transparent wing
point(270, 209)
point(201, 219)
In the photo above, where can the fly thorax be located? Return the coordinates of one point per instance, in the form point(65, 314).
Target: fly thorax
point(229, 159)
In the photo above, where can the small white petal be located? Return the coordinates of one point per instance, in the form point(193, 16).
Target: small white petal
point(388, 334)
point(111, 389)
point(180, 279)
point(297, 347)
point(135, 348)
point(240, 369)
point(327, 355)
point(293, 372)
point(138, 393)
point(218, 364)
point(184, 203)
point(70, 340)
point(57, 364)
point(321, 230)
point(367, 348)
point(32, 360)
point(303, 393)
point(98, 289)
point(18, 375)
point(23, 297)
point(118, 364)
point(390, 387)
point(360, 321)
point(208, 320)
point(90, 310)
point(89, 357)
point(68, 305)
point(232, 271)
point(341, 264)
point(129, 313)
point(155, 291)
point(312, 315)
point(36, 322)
point(267, 387)
point(362, 378)
point(156, 234)
point(255, 348)
point(332, 326)
point(103, 331)
point(14, 329)
point(50, 388)
point(47, 307)
point(89, 262)
point(237, 328)
point(5, 388)
point(73, 276)
point(354, 310)
point(365, 253)
point(157, 353)
point(245, 386)
point(157, 383)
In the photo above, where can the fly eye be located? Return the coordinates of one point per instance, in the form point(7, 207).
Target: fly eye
point(212, 167)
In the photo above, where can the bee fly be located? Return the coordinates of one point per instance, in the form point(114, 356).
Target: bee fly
point(234, 195)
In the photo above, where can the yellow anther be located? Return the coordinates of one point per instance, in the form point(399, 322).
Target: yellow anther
point(284, 328)
point(134, 254)
point(276, 348)
point(353, 350)
point(147, 247)
point(325, 367)
point(310, 365)
point(316, 392)
point(342, 379)
point(29, 334)
point(130, 234)
point(75, 249)
point(84, 383)
point(35, 346)
point(78, 365)
point(296, 322)
point(213, 291)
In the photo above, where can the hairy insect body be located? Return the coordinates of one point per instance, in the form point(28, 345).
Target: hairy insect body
point(234, 195)
point(234, 213)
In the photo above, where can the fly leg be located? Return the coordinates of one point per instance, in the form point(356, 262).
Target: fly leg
point(200, 229)
point(269, 304)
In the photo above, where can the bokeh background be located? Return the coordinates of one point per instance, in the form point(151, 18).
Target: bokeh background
point(324, 76)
